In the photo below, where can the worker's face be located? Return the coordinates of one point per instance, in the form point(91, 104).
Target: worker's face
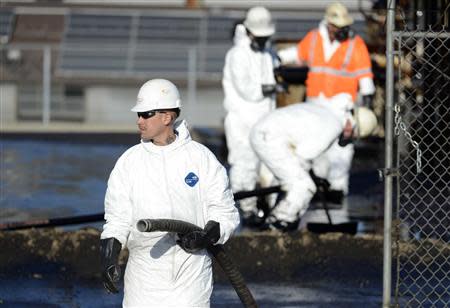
point(152, 125)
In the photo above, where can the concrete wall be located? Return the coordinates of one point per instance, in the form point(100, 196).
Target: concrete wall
point(206, 110)
point(8, 103)
point(110, 105)
point(107, 105)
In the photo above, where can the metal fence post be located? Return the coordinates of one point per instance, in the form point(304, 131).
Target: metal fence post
point(387, 243)
point(46, 84)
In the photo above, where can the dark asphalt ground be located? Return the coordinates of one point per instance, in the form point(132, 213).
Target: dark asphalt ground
point(48, 291)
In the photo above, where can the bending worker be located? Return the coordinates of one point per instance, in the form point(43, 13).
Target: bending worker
point(249, 88)
point(167, 175)
point(290, 139)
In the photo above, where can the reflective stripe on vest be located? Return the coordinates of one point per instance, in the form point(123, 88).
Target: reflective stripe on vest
point(335, 72)
point(351, 44)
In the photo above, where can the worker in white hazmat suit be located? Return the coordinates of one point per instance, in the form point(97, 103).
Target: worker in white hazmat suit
point(249, 88)
point(167, 175)
point(290, 139)
point(293, 139)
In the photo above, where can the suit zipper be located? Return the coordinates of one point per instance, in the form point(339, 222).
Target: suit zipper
point(166, 182)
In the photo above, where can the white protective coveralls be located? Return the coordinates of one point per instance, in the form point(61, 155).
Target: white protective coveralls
point(289, 139)
point(335, 163)
point(182, 180)
point(244, 73)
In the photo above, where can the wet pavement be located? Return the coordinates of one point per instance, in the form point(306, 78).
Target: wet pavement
point(53, 179)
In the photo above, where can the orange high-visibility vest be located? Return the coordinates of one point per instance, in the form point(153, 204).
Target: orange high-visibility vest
point(349, 63)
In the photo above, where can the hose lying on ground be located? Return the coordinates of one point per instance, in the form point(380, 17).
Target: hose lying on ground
point(73, 220)
point(51, 222)
point(257, 192)
point(178, 226)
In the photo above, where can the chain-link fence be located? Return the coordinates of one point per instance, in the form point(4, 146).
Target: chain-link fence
point(421, 108)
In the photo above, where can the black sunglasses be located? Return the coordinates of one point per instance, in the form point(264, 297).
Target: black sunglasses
point(148, 114)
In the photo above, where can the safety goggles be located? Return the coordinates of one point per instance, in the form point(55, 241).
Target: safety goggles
point(148, 114)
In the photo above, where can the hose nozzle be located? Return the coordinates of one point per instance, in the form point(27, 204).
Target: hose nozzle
point(144, 225)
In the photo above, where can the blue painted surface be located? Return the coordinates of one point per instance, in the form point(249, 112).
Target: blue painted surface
point(53, 179)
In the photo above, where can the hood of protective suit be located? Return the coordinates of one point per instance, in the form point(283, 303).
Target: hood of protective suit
point(240, 36)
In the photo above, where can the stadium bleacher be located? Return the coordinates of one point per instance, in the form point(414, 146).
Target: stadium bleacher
point(158, 42)
point(6, 24)
point(166, 42)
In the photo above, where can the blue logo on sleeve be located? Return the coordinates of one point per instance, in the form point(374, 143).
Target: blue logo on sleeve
point(191, 179)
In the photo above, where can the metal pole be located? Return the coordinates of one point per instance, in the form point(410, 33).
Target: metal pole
point(192, 76)
point(46, 84)
point(132, 42)
point(388, 192)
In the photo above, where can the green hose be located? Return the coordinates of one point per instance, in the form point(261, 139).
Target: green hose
point(182, 227)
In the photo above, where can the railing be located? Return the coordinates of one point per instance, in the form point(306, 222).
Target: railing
point(45, 83)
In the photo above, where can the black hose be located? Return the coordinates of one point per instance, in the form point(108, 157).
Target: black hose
point(73, 220)
point(52, 222)
point(230, 269)
point(257, 192)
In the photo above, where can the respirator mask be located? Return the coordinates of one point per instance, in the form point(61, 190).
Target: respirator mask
point(258, 43)
point(343, 33)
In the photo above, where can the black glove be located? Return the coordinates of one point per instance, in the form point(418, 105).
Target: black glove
point(196, 240)
point(269, 89)
point(344, 141)
point(110, 250)
point(367, 101)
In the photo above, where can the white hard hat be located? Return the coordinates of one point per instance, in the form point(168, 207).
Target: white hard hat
point(259, 21)
point(157, 94)
point(366, 121)
point(337, 15)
